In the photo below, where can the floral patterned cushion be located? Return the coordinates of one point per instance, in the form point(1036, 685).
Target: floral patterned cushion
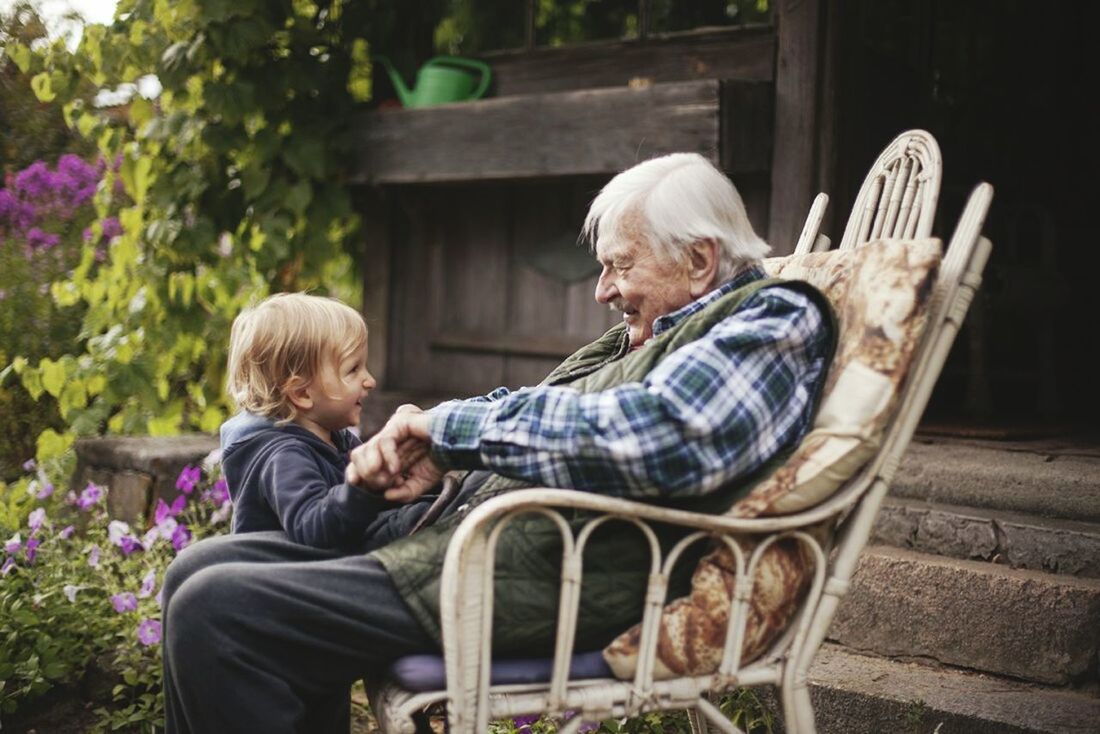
point(880, 293)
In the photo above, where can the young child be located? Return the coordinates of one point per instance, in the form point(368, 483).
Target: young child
point(298, 372)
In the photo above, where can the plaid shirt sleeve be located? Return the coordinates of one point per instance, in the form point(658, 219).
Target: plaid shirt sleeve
point(712, 411)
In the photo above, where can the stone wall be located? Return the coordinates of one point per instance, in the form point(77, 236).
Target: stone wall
point(138, 470)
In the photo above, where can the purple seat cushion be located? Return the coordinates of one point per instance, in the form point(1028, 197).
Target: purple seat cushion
point(426, 672)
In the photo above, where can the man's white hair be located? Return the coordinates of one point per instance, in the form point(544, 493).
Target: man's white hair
point(678, 199)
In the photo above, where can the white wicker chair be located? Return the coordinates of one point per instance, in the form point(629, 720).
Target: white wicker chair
point(897, 199)
point(467, 592)
point(811, 239)
point(898, 196)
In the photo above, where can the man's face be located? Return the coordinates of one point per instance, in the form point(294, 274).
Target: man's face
point(639, 282)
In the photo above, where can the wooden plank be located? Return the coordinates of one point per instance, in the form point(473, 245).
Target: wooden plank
point(376, 266)
point(557, 346)
point(470, 277)
point(796, 95)
point(745, 54)
point(599, 131)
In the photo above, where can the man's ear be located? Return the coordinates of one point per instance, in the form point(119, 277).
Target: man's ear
point(297, 392)
point(702, 266)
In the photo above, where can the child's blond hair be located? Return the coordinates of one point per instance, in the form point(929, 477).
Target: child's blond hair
point(284, 338)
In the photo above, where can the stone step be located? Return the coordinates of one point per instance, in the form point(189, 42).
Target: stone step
point(1058, 479)
point(856, 694)
point(980, 616)
point(1017, 540)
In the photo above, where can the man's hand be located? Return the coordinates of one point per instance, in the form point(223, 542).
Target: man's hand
point(396, 459)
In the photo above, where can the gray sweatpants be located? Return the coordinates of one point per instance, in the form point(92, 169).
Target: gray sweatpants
point(261, 634)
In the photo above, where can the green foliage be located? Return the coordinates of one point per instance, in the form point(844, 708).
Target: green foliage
point(29, 130)
point(234, 183)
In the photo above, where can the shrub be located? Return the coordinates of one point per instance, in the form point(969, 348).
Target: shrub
point(48, 229)
point(77, 585)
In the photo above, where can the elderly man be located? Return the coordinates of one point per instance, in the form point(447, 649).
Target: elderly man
point(709, 381)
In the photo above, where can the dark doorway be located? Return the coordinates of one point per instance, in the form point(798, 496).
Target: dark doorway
point(1006, 88)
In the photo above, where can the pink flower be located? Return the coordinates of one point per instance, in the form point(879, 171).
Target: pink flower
point(188, 478)
point(30, 465)
point(148, 632)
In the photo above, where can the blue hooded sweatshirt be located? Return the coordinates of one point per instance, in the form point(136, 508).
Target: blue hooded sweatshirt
point(286, 478)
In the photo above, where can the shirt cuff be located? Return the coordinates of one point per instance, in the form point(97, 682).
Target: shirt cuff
point(457, 427)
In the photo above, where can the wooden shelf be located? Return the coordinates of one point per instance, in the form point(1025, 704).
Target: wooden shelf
point(585, 132)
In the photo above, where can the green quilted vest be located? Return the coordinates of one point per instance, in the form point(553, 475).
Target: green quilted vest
point(616, 560)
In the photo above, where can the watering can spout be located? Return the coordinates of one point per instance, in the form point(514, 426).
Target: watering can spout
point(403, 92)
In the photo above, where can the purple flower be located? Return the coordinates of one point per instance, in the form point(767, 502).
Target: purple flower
point(31, 549)
point(67, 532)
point(92, 494)
point(69, 590)
point(148, 632)
point(148, 584)
point(13, 544)
point(162, 513)
point(36, 518)
point(181, 538)
point(124, 602)
point(188, 478)
point(524, 722)
point(165, 511)
point(111, 228)
point(150, 537)
point(128, 544)
point(93, 556)
point(219, 493)
point(9, 564)
point(45, 491)
point(40, 240)
point(30, 464)
point(159, 598)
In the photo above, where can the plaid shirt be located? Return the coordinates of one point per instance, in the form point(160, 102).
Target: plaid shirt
point(710, 412)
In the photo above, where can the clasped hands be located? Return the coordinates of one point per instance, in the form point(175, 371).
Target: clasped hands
point(396, 461)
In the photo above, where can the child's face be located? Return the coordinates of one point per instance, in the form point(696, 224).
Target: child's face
point(337, 392)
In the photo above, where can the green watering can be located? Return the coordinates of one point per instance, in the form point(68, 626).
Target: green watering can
point(442, 79)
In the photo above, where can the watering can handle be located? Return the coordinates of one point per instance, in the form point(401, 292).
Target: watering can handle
point(474, 64)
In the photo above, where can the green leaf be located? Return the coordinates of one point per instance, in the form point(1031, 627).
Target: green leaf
point(32, 383)
point(43, 87)
point(55, 670)
point(53, 376)
point(20, 54)
point(52, 444)
point(299, 196)
point(306, 156)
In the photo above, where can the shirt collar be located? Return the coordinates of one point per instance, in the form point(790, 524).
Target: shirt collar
point(746, 276)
